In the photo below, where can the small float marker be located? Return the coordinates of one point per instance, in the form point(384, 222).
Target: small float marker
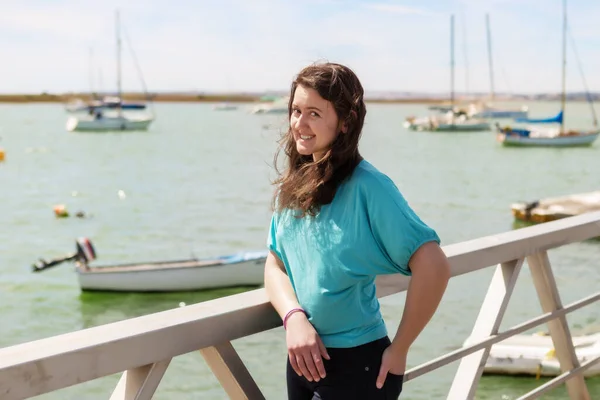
point(60, 211)
point(121, 194)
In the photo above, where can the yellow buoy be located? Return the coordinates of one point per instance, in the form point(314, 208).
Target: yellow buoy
point(1, 154)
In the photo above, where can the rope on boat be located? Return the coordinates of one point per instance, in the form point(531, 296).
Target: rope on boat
point(138, 68)
point(585, 86)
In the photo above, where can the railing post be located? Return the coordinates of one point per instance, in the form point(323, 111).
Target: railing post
point(547, 291)
point(487, 323)
point(140, 383)
point(231, 372)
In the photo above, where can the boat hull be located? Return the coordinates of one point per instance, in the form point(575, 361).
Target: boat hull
point(556, 141)
point(501, 114)
point(474, 127)
point(172, 277)
point(107, 124)
point(443, 127)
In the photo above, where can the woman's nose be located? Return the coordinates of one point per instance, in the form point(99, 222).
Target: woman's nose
point(299, 122)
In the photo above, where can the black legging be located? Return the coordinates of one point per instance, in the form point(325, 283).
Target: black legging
point(350, 374)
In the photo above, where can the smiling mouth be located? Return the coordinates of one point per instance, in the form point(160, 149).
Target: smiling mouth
point(305, 137)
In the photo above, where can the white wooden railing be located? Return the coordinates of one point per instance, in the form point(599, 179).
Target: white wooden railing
point(143, 347)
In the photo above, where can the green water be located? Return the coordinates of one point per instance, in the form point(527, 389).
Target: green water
point(198, 183)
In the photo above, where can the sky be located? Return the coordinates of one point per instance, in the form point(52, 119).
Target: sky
point(259, 45)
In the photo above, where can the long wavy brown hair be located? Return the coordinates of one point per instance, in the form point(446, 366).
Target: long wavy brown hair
point(305, 185)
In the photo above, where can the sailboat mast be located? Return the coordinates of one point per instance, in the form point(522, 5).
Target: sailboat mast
point(466, 53)
point(491, 64)
point(91, 74)
point(118, 37)
point(100, 82)
point(564, 67)
point(452, 61)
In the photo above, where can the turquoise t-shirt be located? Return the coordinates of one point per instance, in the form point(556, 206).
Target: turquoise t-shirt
point(332, 259)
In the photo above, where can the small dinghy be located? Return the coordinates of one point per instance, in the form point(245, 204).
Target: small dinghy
point(534, 355)
point(554, 208)
point(239, 269)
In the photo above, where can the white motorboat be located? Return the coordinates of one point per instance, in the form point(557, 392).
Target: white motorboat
point(239, 269)
point(242, 269)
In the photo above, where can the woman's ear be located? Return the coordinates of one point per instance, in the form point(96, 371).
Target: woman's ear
point(344, 127)
point(345, 123)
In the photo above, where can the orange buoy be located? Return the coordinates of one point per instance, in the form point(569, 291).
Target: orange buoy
point(1, 154)
point(60, 211)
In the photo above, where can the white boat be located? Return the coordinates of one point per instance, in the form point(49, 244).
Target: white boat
point(97, 121)
point(108, 123)
point(240, 269)
point(535, 355)
point(539, 138)
point(447, 123)
point(557, 137)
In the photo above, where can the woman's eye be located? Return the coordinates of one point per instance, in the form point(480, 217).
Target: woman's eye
point(295, 111)
point(314, 114)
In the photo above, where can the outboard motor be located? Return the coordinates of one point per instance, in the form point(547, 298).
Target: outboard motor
point(84, 254)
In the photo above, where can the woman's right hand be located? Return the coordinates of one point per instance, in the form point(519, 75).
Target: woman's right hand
point(305, 348)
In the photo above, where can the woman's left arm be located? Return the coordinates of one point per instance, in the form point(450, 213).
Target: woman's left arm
point(430, 274)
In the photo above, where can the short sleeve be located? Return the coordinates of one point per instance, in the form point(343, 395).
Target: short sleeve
point(397, 229)
point(272, 236)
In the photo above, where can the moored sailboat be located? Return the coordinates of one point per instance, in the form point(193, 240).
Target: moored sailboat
point(102, 118)
point(487, 110)
point(536, 136)
point(454, 120)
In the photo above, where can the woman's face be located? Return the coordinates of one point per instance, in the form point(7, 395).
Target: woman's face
point(314, 123)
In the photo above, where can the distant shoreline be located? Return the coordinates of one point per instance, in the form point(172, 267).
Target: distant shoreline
point(177, 98)
point(240, 98)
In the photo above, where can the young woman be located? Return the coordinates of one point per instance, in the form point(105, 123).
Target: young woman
point(339, 222)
